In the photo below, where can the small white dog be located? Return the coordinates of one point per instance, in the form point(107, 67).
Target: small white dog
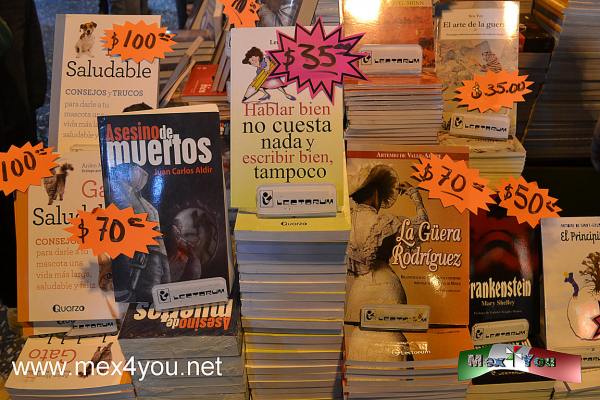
point(86, 40)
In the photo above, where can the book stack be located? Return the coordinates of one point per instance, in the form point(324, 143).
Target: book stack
point(74, 368)
point(329, 11)
point(292, 283)
point(184, 40)
point(510, 384)
point(400, 109)
point(588, 389)
point(386, 277)
point(568, 107)
point(404, 365)
point(200, 348)
point(535, 48)
point(495, 159)
point(199, 89)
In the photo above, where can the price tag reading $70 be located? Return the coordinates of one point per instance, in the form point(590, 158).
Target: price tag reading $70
point(113, 231)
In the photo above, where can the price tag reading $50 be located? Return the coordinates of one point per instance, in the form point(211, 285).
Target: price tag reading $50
point(113, 231)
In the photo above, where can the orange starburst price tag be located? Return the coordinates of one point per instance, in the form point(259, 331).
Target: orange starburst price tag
point(493, 90)
point(138, 42)
point(453, 182)
point(113, 231)
point(21, 167)
point(527, 201)
point(241, 13)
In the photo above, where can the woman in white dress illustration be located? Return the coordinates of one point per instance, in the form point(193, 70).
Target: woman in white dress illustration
point(373, 189)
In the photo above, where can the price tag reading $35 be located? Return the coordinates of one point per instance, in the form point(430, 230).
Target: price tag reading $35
point(315, 60)
point(113, 231)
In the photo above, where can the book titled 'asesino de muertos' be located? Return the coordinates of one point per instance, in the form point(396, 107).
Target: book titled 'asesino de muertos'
point(167, 163)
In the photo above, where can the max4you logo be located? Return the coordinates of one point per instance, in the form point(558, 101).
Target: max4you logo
point(497, 357)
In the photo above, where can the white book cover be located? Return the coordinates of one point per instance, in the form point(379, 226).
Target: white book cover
point(571, 262)
point(56, 280)
point(87, 82)
point(78, 367)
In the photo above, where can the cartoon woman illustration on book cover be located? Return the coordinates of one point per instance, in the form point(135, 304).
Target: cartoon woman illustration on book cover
point(262, 81)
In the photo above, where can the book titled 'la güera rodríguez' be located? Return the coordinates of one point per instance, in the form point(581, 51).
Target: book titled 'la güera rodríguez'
point(167, 163)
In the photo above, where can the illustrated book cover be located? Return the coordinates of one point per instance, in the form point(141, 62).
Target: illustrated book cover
point(571, 268)
point(87, 81)
point(168, 164)
point(505, 269)
point(404, 248)
point(277, 134)
point(474, 37)
point(392, 22)
point(56, 281)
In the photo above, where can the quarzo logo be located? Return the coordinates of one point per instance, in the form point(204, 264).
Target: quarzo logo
point(57, 308)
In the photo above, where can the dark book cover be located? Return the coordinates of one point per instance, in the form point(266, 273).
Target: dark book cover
point(168, 164)
point(505, 269)
point(142, 321)
point(532, 37)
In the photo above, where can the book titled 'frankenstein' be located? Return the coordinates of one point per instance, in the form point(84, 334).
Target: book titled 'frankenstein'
point(505, 269)
point(167, 164)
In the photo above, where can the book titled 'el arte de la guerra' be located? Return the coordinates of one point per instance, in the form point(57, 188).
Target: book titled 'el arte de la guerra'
point(167, 163)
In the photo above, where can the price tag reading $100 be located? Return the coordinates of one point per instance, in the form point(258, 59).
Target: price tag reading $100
point(113, 231)
point(138, 42)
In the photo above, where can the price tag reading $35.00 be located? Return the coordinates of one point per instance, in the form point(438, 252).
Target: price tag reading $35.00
point(113, 231)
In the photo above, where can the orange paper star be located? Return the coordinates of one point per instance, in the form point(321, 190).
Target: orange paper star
point(527, 201)
point(453, 182)
point(138, 41)
point(241, 13)
point(493, 90)
point(22, 167)
point(113, 231)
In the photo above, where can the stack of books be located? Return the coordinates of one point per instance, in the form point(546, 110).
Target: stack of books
point(510, 384)
point(329, 11)
point(568, 107)
point(199, 89)
point(183, 41)
point(535, 49)
point(588, 389)
point(200, 347)
point(408, 365)
point(292, 282)
point(571, 299)
point(52, 367)
point(383, 358)
point(399, 109)
point(495, 159)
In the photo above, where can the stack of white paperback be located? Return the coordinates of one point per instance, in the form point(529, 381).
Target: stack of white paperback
point(496, 160)
point(404, 365)
point(568, 107)
point(588, 389)
point(398, 109)
point(197, 352)
point(329, 11)
point(510, 384)
point(76, 368)
point(292, 283)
